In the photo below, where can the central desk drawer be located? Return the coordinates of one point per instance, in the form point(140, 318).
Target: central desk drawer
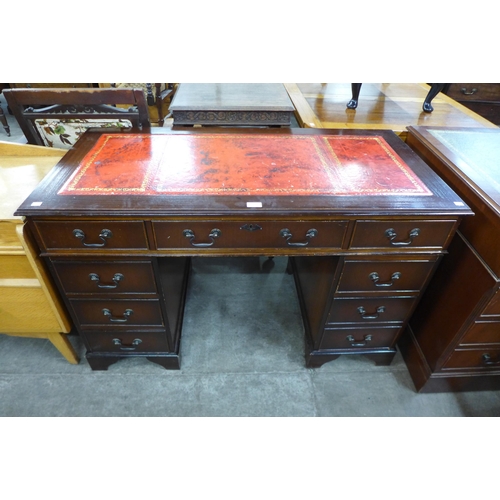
point(370, 310)
point(93, 235)
point(106, 277)
point(399, 235)
point(118, 313)
point(250, 234)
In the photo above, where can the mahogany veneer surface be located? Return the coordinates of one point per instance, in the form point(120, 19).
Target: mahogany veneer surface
point(363, 219)
point(453, 340)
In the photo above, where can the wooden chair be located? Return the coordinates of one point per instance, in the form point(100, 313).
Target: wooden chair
point(158, 99)
point(58, 117)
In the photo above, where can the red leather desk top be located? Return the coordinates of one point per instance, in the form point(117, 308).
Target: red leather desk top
point(243, 164)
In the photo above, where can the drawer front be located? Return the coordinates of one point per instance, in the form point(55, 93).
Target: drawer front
point(16, 267)
point(358, 338)
point(118, 313)
point(370, 310)
point(398, 235)
point(474, 91)
point(9, 241)
point(252, 234)
point(493, 307)
point(384, 276)
point(482, 333)
point(93, 235)
point(26, 309)
point(127, 342)
point(486, 359)
point(106, 277)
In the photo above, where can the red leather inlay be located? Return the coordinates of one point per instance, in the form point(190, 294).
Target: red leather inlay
point(243, 164)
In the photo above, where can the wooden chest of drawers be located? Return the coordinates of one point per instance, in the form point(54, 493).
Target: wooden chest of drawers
point(482, 98)
point(360, 262)
point(453, 340)
point(29, 304)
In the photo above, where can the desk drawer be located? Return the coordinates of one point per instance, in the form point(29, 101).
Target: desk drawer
point(485, 359)
point(9, 241)
point(384, 276)
point(93, 235)
point(26, 309)
point(482, 333)
point(127, 342)
point(249, 234)
point(120, 314)
point(106, 277)
point(474, 91)
point(359, 338)
point(370, 310)
point(493, 307)
point(399, 235)
point(15, 267)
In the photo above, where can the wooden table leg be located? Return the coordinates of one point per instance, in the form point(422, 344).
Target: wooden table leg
point(353, 103)
point(433, 92)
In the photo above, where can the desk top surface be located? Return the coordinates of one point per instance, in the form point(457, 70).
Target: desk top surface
point(231, 97)
point(472, 154)
point(227, 171)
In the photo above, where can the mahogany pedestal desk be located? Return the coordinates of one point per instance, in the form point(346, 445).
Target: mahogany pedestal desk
point(29, 304)
point(363, 219)
point(453, 340)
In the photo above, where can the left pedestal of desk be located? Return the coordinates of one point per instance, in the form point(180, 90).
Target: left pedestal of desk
point(124, 306)
point(29, 303)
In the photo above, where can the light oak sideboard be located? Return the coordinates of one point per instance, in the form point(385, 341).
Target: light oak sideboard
point(29, 304)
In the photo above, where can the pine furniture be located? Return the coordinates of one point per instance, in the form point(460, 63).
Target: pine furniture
point(29, 303)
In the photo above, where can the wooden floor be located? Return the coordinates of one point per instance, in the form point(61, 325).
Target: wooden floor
point(392, 106)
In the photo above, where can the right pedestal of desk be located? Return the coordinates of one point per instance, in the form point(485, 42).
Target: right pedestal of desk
point(452, 342)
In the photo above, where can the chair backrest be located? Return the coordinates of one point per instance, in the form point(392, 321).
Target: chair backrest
point(57, 117)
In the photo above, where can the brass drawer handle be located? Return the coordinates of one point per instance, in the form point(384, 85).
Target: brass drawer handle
point(464, 91)
point(488, 361)
point(285, 233)
point(358, 343)
point(127, 347)
point(375, 315)
point(214, 233)
point(113, 319)
point(116, 279)
point(376, 279)
point(392, 235)
point(103, 235)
